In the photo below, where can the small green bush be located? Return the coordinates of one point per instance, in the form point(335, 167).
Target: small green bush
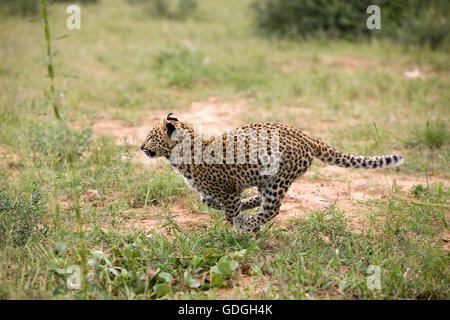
point(428, 27)
point(434, 135)
point(30, 7)
point(171, 9)
point(20, 7)
point(418, 190)
point(410, 21)
point(308, 17)
point(20, 215)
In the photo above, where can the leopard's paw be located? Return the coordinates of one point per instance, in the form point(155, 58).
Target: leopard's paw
point(248, 223)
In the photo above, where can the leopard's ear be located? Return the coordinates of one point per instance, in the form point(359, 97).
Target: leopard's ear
point(170, 128)
point(169, 117)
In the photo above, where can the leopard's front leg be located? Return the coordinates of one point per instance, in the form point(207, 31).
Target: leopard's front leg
point(211, 202)
point(231, 205)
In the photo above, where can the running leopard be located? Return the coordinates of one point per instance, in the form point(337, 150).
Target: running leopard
point(269, 156)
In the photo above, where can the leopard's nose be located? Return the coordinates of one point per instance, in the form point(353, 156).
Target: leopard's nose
point(142, 146)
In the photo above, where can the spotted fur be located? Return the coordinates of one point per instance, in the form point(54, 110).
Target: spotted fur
point(220, 184)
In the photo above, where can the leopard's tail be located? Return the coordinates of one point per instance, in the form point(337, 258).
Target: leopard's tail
point(332, 156)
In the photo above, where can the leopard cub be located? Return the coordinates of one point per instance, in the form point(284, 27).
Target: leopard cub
point(269, 156)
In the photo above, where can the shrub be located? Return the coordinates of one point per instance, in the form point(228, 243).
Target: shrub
point(411, 21)
point(30, 7)
point(171, 9)
point(19, 216)
point(434, 135)
point(308, 17)
point(20, 7)
point(427, 27)
point(418, 190)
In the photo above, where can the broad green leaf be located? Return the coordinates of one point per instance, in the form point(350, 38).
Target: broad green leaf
point(227, 266)
point(189, 281)
point(224, 267)
point(216, 279)
point(161, 289)
point(216, 270)
point(164, 276)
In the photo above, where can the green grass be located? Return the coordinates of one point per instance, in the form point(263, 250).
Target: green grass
point(434, 135)
point(123, 64)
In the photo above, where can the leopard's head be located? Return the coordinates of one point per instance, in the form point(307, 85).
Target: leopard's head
point(158, 142)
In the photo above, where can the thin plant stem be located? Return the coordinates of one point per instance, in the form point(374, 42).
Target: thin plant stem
point(49, 58)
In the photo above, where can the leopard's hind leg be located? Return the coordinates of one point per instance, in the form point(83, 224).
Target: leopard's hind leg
point(271, 195)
